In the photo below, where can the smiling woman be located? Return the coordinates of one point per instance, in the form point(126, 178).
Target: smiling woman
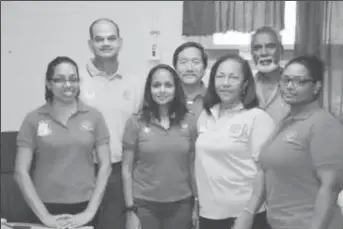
point(158, 155)
point(55, 200)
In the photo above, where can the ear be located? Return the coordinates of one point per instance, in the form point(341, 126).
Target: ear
point(317, 88)
point(120, 42)
point(48, 84)
point(90, 45)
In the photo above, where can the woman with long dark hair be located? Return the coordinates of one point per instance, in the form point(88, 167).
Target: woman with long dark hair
point(158, 156)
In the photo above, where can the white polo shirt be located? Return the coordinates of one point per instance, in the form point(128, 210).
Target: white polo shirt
point(116, 97)
point(226, 150)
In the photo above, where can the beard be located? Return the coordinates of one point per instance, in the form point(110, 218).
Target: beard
point(266, 64)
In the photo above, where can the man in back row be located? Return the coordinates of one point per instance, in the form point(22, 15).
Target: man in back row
point(267, 50)
point(117, 95)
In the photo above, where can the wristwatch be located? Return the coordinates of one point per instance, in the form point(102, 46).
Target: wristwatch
point(131, 208)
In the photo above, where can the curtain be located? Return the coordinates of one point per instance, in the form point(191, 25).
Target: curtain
point(204, 18)
point(332, 53)
point(247, 16)
point(198, 18)
point(319, 32)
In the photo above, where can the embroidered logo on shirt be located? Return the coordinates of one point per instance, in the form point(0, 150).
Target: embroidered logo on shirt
point(90, 94)
point(87, 125)
point(239, 130)
point(290, 136)
point(184, 125)
point(127, 95)
point(146, 130)
point(44, 128)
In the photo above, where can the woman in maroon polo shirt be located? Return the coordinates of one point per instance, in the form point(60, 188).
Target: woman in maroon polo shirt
point(302, 162)
point(158, 156)
point(60, 137)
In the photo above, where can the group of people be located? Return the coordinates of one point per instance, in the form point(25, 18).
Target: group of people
point(247, 152)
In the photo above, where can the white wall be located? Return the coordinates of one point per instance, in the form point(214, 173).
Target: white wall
point(33, 33)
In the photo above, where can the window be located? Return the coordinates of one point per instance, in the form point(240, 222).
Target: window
point(243, 39)
point(231, 41)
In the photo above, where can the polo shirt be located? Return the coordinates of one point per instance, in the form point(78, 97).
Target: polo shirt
point(195, 105)
point(116, 97)
point(225, 154)
point(64, 168)
point(303, 143)
point(161, 170)
point(274, 104)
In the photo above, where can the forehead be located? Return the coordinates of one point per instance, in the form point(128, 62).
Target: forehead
point(162, 75)
point(64, 69)
point(104, 28)
point(296, 69)
point(230, 66)
point(264, 38)
point(190, 52)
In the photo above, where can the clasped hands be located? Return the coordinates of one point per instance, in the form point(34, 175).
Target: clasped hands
point(67, 221)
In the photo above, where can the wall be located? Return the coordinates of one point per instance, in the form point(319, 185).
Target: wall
point(33, 33)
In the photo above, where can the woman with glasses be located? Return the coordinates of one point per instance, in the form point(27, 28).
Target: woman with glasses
point(302, 162)
point(59, 138)
point(231, 130)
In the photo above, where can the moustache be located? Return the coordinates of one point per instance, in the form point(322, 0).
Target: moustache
point(268, 58)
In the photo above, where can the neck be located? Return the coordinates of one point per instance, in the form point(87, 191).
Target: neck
point(229, 105)
point(271, 77)
point(298, 108)
point(164, 112)
point(192, 89)
point(109, 66)
point(62, 107)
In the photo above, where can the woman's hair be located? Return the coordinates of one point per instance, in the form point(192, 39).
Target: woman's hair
point(313, 64)
point(248, 92)
point(177, 109)
point(51, 70)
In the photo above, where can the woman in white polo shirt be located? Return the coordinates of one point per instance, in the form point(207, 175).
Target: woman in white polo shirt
point(231, 130)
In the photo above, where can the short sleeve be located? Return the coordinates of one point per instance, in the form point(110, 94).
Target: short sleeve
point(261, 130)
point(131, 131)
point(326, 144)
point(101, 131)
point(27, 133)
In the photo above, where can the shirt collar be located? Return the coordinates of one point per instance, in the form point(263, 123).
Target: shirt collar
point(216, 109)
point(47, 108)
point(94, 71)
point(199, 94)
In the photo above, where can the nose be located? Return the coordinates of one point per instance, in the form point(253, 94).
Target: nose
point(227, 81)
point(67, 83)
point(189, 66)
point(106, 42)
point(162, 88)
point(264, 50)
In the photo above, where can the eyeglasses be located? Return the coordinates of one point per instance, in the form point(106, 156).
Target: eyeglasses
point(295, 82)
point(64, 81)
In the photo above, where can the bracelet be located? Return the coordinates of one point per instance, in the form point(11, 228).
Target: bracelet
point(131, 208)
point(248, 211)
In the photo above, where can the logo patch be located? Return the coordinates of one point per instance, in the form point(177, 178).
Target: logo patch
point(290, 136)
point(127, 95)
point(239, 130)
point(44, 128)
point(146, 130)
point(87, 125)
